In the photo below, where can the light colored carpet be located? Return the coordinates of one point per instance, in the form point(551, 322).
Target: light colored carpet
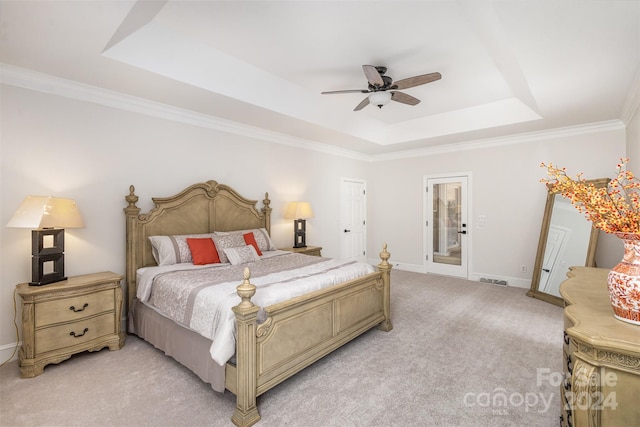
point(460, 354)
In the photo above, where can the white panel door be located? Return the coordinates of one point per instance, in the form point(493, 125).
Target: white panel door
point(447, 226)
point(353, 228)
point(549, 278)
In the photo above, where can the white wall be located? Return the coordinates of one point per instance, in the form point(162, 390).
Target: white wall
point(505, 188)
point(609, 247)
point(633, 141)
point(57, 146)
point(51, 145)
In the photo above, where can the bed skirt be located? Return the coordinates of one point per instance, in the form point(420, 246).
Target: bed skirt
point(185, 346)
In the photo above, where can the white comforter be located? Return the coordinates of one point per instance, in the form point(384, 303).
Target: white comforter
point(209, 310)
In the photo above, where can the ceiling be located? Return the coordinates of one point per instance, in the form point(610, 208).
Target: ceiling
point(508, 67)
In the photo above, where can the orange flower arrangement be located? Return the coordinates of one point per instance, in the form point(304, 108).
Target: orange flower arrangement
point(613, 209)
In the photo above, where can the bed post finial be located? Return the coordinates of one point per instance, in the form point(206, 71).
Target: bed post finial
point(385, 269)
point(131, 198)
point(384, 256)
point(246, 290)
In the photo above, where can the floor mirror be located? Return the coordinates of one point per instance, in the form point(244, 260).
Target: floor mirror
point(567, 239)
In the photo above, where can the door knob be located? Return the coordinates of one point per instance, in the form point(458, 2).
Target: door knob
point(347, 231)
point(462, 232)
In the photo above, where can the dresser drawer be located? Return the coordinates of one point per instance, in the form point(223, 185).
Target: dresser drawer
point(74, 308)
point(58, 337)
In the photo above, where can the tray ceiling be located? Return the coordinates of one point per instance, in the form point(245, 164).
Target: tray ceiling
point(508, 67)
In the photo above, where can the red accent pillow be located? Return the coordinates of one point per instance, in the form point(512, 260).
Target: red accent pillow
point(250, 239)
point(203, 251)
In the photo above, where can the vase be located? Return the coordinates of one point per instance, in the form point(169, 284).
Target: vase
point(624, 281)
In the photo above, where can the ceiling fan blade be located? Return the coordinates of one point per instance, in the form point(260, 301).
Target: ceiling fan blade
point(373, 76)
point(345, 91)
point(362, 104)
point(404, 98)
point(416, 81)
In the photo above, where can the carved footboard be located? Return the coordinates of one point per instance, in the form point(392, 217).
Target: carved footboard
point(300, 331)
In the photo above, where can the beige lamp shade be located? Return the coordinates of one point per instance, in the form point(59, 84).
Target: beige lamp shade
point(298, 210)
point(38, 212)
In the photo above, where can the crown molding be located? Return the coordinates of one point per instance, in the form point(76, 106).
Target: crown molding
point(520, 138)
point(45, 83)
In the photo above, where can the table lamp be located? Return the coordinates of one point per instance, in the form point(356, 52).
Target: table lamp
point(299, 212)
point(47, 217)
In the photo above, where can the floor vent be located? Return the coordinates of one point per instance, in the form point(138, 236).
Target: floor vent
point(494, 281)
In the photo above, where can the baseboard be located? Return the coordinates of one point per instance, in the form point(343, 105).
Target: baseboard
point(414, 268)
point(408, 267)
point(7, 352)
point(511, 281)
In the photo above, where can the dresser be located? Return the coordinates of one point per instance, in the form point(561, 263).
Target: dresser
point(601, 356)
point(79, 314)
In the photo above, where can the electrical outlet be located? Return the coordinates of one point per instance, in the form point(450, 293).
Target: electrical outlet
point(523, 268)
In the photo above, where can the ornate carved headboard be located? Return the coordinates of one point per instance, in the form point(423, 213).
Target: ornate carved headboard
point(201, 208)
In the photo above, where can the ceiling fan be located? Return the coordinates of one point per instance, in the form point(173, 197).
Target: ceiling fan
point(382, 89)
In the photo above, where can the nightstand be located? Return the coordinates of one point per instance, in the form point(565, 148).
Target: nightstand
point(307, 250)
point(79, 314)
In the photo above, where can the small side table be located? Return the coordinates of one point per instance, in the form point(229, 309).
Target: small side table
point(307, 250)
point(79, 314)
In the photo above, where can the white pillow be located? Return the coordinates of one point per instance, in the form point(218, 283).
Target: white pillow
point(169, 250)
point(227, 241)
point(262, 237)
point(242, 254)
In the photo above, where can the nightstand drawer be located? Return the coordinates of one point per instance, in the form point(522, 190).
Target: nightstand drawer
point(73, 308)
point(57, 337)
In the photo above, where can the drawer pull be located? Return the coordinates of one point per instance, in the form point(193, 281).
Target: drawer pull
point(566, 338)
point(73, 308)
point(73, 334)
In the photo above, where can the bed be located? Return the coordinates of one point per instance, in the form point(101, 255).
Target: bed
point(270, 343)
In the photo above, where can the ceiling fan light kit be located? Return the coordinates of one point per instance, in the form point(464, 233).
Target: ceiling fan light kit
point(379, 85)
point(379, 98)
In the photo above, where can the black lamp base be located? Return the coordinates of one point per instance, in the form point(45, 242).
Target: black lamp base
point(51, 257)
point(299, 233)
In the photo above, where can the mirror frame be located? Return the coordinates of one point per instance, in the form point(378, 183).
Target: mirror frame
point(590, 260)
